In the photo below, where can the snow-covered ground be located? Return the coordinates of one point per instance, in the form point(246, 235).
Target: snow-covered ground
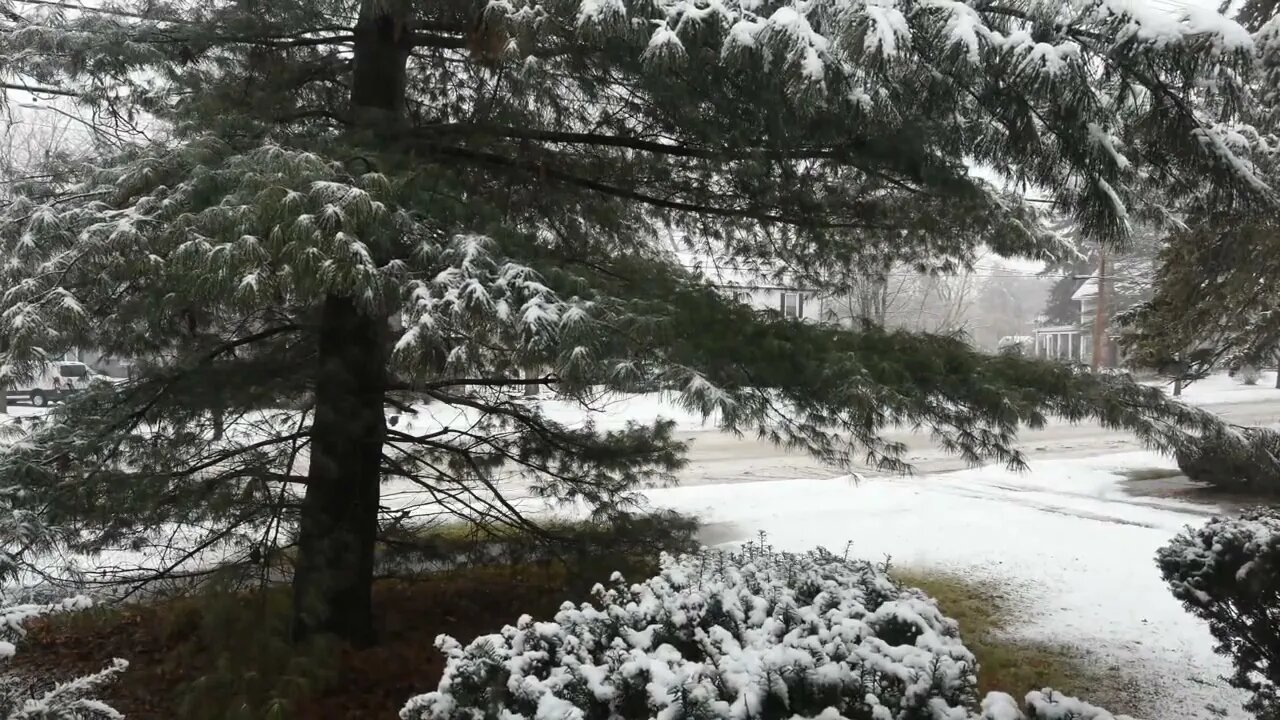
point(1220, 389)
point(611, 412)
point(1067, 537)
point(1078, 549)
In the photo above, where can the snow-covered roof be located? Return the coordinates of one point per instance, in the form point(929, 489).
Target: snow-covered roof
point(1089, 289)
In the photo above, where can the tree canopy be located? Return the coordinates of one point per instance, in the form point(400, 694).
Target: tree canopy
point(328, 207)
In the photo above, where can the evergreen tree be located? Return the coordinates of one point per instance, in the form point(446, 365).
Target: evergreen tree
point(1130, 271)
point(1059, 307)
point(1212, 302)
point(356, 203)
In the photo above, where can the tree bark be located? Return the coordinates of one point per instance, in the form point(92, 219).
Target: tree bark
point(333, 578)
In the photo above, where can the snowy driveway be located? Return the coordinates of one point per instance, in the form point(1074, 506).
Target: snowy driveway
point(720, 458)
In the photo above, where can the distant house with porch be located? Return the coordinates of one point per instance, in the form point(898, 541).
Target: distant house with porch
point(1073, 342)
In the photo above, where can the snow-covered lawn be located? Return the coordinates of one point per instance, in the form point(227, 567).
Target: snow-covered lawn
point(1222, 390)
point(611, 412)
point(1078, 547)
point(1066, 536)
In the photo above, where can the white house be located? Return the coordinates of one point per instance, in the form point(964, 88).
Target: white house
point(761, 289)
point(1075, 342)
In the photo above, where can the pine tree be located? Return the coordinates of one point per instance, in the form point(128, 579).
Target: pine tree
point(342, 205)
point(1214, 303)
point(1131, 273)
point(1211, 302)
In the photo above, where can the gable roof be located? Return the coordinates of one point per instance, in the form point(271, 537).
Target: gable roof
point(1088, 289)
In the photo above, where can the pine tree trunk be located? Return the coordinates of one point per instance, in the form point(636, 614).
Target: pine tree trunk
point(333, 578)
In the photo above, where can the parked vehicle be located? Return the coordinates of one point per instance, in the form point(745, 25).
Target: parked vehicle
point(55, 381)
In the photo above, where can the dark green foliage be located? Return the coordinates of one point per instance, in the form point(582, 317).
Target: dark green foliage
point(365, 204)
point(1251, 468)
point(1060, 309)
point(1215, 299)
point(252, 671)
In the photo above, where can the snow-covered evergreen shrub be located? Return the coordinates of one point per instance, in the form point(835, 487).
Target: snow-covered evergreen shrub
point(731, 635)
point(1228, 573)
point(1225, 462)
point(47, 699)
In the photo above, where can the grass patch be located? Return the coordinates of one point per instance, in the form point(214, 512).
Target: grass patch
point(986, 611)
point(626, 534)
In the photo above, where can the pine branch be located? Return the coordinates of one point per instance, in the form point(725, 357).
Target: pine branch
point(546, 381)
point(543, 170)
point(438, 40)
point(648, 146)
point(39, 89)
point(91, 9)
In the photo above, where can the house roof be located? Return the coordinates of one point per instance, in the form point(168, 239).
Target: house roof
point(1089, 289)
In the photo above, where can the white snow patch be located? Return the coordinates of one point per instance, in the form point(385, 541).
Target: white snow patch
point(1102, 138)
point(1219, 389)
point(1068, 531)
point(887, 28)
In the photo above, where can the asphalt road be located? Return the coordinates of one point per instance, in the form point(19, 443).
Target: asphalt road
point(716, 457)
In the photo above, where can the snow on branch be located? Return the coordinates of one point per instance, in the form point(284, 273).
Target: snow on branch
point(68, 699)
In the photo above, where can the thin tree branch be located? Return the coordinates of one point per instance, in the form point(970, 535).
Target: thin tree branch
point(39, 89)
point(542, 170)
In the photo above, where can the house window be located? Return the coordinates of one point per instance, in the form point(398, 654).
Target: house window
point(792, 305)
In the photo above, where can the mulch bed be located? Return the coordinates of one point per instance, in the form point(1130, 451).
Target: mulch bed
point(165, 643)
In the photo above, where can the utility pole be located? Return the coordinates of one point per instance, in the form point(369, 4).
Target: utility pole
point(1100, 319)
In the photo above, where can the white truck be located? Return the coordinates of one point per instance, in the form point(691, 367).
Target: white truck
point(55, 381)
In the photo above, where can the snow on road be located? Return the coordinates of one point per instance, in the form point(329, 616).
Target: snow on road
point(1067, 532)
